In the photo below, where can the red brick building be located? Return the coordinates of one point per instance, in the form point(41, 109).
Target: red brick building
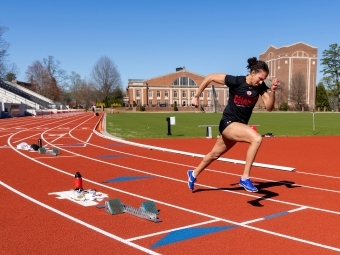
point(285, 62)
point(178, 87)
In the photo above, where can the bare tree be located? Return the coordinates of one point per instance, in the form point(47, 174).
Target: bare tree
point(5, 66)
point(47, 77)
point(38, 76)
point(106, 77)
point(298, 89)
point(281, 95)
point(84, 92)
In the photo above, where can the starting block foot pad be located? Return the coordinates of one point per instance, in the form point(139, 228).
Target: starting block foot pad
point(147, 210)
point(114, 206)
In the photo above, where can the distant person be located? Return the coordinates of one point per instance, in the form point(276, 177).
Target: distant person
point(94, 109)
point(244, 92)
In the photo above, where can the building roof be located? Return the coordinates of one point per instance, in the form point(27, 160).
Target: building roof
point(181, 71)
point(286, 46)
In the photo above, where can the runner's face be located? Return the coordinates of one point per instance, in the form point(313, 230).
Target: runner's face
point(258, 78)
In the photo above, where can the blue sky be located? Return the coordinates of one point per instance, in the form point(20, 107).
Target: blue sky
point(152, 37)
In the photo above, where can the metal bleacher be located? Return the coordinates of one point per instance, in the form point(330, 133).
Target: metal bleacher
point(26, 96)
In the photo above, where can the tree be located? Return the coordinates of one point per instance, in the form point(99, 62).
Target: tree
point(82, 91)
point(321, 97)
point(47, 78)
point(331, 70)
point(281, 94)
point(298, 89)
point(5, 66)
point(10, 77)
point(106, 77)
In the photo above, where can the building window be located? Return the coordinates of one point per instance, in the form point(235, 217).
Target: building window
point(184, 103)
point(175, 94)
point(138, 102)
point(313, 62)
point(158, 102)
point(208, 94)
point(286, 62)
point(150, 93)
point(166, 102)
point(166, 93)
point(209, 103)
point(175, 102)
point(137, 93)
point(184, 93)
point(158, 93)
point(184, 81)
point(201, 94)
point(150, 102)
point(192, 93)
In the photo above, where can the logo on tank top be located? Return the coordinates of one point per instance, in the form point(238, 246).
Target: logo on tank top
point(249, 93)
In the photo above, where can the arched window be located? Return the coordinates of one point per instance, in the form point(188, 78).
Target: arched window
point(175, 94)
point(184, 81)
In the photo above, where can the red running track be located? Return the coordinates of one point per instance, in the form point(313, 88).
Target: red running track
point(294, 212)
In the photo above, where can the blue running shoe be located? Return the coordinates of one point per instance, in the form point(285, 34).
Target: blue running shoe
point(191, 179)
point(248, 185)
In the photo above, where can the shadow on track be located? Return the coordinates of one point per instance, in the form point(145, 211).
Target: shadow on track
point(262, 186)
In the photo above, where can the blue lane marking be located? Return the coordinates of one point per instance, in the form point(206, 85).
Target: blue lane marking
point(110, 156)
point(128, 178)
point(188, 233)
point(275, 215)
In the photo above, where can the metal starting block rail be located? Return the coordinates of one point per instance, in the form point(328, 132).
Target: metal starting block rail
point(147, 210)
point(53, 152)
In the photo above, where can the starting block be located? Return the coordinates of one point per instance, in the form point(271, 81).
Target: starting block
point(53, 152)
point(147, 210)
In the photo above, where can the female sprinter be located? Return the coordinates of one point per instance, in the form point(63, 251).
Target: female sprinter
point(244, 92)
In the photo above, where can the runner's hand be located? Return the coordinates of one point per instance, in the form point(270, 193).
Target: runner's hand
point(194, 101)
point(275, 83)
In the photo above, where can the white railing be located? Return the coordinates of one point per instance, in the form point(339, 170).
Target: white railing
point(9, 97)
point(30, 92)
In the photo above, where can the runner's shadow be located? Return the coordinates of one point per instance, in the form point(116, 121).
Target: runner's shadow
point(266, 194)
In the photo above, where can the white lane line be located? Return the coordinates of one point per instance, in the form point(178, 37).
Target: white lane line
point(26, 138)
point(88, 139)
point(320, 175)
point(6, 135)
point(235, 161)
point(268, 180)
point(171, 230)
point(59, 136)
point(55, 157)
point(186, 209)
point(207, 169)
point(264, 218)
point(173, 163)
point(67, 216)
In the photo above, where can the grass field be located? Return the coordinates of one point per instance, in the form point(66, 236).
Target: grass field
point(154, 125)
